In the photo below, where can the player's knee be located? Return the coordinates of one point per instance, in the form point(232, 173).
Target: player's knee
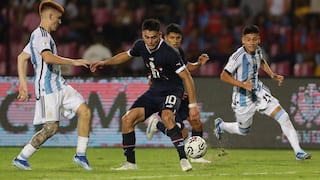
point(281, 115)
point(127, 123)
point(196, 125)
point(50, 129)
point(244, 131)
point(84, 112)
point(185, 133)
point(168, 119)
point(47, 131)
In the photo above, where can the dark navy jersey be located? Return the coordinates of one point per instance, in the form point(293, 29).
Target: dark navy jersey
point(181, 52)
point(164, 63)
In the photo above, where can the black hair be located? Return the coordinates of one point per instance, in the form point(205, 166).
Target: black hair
point(173, 27)
point(151, 25)
point(250, 29)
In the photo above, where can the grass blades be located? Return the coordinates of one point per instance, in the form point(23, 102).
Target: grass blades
point(162, 163)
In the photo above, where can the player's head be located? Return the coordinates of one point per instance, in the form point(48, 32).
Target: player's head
point(51, 14)
point(173, 35)
point(151, 34)
point(250, 38)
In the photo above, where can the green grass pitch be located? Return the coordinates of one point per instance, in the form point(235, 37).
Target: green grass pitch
point(162, 163)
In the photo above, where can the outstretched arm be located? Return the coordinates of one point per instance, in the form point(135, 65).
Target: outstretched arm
point(266, 68)
point(117, 59)
point(22, 73)
point(202, 59)
point(50, 58)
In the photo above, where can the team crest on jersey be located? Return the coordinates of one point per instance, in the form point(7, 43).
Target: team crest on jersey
point(45, 44)
point(151, 58)
point(305, 106)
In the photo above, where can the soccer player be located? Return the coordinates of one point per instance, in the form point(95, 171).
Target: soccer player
point(174, 37)
point(51, 90)
point(251, 95)
point(168, 73)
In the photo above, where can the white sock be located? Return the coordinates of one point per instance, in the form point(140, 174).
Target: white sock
point(289, 131)
point(82, 145)
point(231, 127)
point(26, 152)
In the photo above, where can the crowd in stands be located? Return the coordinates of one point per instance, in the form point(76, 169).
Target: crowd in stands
point(290, 31)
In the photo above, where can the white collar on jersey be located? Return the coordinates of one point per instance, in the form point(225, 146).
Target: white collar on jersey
point(150, 51)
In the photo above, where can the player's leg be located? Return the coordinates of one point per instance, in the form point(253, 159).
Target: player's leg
point(276, 112)
point(73, 100)
point(156, 124)
point(49, 128)
point(171, 104)
point(183, 114)
point(174, 132)
point(196, 127)
point(84, 117)
point(244, 119)
point(129, 120)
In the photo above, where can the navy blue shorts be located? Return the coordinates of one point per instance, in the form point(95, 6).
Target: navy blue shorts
point(153, 102)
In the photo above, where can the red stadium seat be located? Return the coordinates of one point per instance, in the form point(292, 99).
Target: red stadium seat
point(68, 50)
point(303, 70)
point(210, 69)
point(282, 68)
point(101, 16)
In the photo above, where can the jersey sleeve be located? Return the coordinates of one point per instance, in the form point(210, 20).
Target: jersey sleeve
point(178, 62)
point(42, 43)
point(232, 64)
point(136, 49)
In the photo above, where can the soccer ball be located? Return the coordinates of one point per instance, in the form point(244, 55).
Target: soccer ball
point(195, 147)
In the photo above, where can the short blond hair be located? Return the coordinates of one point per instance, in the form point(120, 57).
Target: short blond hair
point(49, 3)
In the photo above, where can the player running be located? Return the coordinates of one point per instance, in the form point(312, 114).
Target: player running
point(51, 90)
point(251, 95)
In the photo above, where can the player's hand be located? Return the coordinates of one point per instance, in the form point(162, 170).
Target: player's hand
point(203, 58)
point(247, 85)
point(194, 113)
point(95, 65)
point(278, 78)
point(81, 62)
point(23, 93)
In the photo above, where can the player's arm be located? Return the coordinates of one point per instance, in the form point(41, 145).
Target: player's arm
point(50, 58)
point(23, 58)
point(189, 85)
point(117, 59)
point(202, 59)
point(266, 68)
point(225, 76)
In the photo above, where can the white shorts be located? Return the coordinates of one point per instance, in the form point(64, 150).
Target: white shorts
point(49, 107)
point(265, 104)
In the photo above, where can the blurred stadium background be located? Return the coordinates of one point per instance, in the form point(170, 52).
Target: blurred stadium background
point(290, 35)
point(290, 31)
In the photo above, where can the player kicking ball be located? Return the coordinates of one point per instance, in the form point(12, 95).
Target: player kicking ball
point(174, 37)
point(251, 95)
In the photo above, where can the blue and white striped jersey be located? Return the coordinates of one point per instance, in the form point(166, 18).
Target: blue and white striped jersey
point(242, 65)
point(47, 77)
